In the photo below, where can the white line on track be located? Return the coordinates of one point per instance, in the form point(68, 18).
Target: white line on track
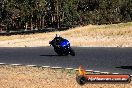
point(56, 67)
point(96, 71)
point(16, 64)
point(69, 68)
point(115, 73)
point(89, 70)
point(31, 65)
point(46, 66)
point(2, 63)
point(60, 68)
point(104, 72)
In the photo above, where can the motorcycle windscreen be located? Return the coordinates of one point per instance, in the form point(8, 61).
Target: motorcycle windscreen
point(64, 43)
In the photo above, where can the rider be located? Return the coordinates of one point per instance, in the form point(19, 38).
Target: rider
point(57, 40)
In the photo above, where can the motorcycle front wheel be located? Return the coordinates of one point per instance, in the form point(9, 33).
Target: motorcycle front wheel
point(61, 53)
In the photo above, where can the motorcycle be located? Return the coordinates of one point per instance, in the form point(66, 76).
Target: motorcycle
point(63, 49)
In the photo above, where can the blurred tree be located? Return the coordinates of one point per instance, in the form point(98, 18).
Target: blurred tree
point(38, 14)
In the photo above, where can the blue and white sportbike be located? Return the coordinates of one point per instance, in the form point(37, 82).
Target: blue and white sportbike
point(62, 48)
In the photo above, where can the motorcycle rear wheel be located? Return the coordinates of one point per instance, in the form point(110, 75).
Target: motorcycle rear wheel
point(72, 52)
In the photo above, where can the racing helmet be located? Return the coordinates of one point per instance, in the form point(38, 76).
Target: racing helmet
point(57, 35)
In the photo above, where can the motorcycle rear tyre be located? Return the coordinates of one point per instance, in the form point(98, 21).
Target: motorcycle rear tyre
point(72, 52)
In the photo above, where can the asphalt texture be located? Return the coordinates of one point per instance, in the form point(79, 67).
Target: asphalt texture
point(106, 59)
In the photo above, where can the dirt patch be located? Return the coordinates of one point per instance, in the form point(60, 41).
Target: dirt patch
point(38, 77)
point(115, 35)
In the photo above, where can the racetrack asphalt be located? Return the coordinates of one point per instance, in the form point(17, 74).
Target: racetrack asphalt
point(105, 59)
